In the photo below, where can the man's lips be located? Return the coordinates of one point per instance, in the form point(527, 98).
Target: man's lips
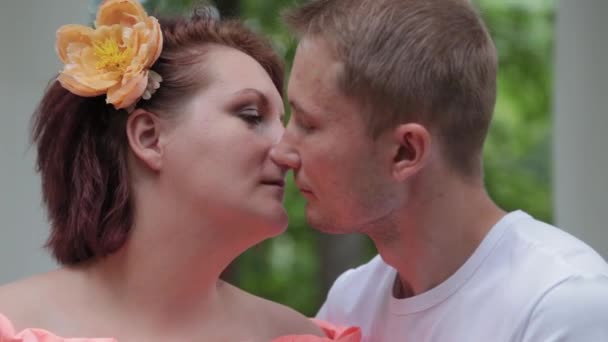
point(304, 190)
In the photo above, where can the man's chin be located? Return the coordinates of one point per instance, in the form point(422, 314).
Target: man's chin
point(325, 225)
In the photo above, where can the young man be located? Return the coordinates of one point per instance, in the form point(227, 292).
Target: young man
point(391, 102)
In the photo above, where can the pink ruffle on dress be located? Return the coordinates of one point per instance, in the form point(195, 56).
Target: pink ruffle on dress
point(333, 333)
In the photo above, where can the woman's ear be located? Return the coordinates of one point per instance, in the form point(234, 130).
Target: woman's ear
point(411, 149)
point(143, 131)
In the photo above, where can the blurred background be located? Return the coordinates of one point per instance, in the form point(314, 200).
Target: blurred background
point(545, 153)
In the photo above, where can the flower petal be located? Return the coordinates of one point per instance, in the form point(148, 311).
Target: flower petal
point(124, 12)
point(83, 67)
point(128, 91)
point(115, 57)
point(70, 83)
point(112, 32)
point(155, 40)
point(87, 83)
point(150, 36)
point(71, 34)
point(97, 82)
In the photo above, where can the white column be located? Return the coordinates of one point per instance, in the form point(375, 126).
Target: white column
point(27, 63)
point(581, 121)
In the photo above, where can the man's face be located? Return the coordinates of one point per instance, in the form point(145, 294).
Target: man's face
point(336, 163)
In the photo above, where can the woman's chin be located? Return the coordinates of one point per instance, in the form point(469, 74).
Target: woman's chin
point(275, 222)
point(278, 224)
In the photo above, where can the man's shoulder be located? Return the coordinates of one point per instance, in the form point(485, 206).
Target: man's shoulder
point(375, 270)
point(358, 290)
point(553, 249)
point(536, 266)
point(572, 310)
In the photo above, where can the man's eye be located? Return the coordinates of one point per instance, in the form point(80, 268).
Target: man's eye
point(305, 125)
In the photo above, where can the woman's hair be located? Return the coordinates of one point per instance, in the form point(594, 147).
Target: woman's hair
point(82, 144)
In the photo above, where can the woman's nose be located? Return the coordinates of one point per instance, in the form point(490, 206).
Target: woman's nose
point(285, 155)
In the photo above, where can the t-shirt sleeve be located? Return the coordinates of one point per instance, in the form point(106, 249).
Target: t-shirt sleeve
point(574, 310)
point(322, 313)
point(329, 311)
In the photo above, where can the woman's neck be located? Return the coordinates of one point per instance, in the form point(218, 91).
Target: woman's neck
point(170, 265)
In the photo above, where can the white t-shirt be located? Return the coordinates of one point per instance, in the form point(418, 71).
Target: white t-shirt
point(527, 281)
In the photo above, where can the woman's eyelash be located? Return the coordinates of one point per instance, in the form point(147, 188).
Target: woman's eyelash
point(251, 115)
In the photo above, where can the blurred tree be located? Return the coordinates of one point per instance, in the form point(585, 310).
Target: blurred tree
point(228, 8)
point(518, 150)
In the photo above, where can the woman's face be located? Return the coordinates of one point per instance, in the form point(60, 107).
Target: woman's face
point(216, 155)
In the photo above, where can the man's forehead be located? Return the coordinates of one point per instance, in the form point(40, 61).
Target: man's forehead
point(320, 105)
point(313, 75)
point(313, 87)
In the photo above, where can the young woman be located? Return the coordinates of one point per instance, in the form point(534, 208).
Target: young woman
point(153, 150)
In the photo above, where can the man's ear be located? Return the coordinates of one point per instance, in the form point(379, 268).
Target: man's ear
point(411, 149)
point(143, 131)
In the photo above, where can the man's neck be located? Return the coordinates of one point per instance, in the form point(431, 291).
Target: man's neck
point(435, 236)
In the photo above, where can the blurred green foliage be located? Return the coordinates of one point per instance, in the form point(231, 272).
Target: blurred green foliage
point(518, 150)
point(517, 156)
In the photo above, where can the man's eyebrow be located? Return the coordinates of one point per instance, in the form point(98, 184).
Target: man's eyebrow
point(298, 108)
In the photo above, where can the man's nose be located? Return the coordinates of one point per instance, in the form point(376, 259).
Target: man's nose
point(285, 156)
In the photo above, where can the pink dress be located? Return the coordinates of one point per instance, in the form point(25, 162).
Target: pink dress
point(333, 333)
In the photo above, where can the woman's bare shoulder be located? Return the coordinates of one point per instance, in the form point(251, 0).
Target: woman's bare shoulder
point(26, 302)
point(290, 321)
point(278, 318)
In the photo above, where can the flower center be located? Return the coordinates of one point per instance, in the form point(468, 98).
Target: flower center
point(111, 56)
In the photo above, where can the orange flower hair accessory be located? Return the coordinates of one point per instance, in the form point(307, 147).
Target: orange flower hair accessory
point(115, 57)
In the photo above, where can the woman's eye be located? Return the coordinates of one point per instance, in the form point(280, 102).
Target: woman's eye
point(251, 116)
